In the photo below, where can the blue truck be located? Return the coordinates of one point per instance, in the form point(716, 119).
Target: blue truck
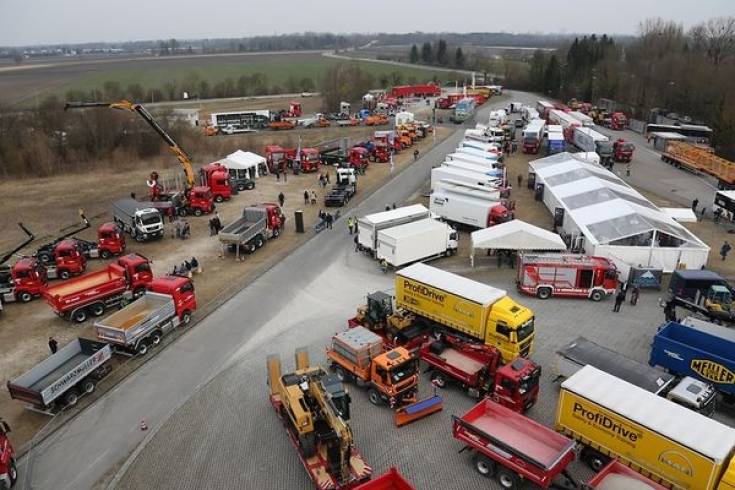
point(699, 349)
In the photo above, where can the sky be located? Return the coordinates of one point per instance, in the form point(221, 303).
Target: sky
point(29, 22)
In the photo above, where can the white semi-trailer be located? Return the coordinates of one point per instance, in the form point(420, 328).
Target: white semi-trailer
point(369, 226)
point(418, 241)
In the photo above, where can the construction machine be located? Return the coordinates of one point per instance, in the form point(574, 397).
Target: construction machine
point(395, 327)
point(315, 408)
point(45, 253)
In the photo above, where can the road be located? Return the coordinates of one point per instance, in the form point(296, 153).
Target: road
point(105, 433)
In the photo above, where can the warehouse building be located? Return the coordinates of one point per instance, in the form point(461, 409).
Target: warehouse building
point(598, 213)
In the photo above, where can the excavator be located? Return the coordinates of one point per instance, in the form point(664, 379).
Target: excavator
point(314, 408)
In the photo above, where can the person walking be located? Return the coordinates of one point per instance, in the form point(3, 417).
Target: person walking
point(281, 198)
point(306, 197)
point(278, 174)
point(195, 266)
point(53, 345)
point(634, 295)
point(619, 298)
point(349, 224)
point(520, 180)
point(185, 231)
point(217, 223)
point(313, 198)
point(357, 243)
point(701, 215)
point(725, 249)
point(415, 154)
point(329, 219)
point(177, 227)
point(327, 176)
point(212, 229)
point(695, 203)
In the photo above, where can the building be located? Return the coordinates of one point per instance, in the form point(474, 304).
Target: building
point(598, 213)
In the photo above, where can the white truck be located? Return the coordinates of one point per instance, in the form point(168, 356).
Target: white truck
point(493, 148)
point(528, 114)
point(465, 176)
point(584, 119)
point(369, 226)
point(464, 157)
point(497, 118)
point(474, 167)
point(140, 219)
point(485, 155)
point(418, 241)
point(470, 205)
point(589, 140)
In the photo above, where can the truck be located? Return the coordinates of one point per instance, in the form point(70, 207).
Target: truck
point(532, 135)
point(623, 150)
point(94, 292)
point(109, 242)
point(168, 303)
point(478, 369)
point(417, 241)
point(497, 118)
point(618, 121)
point(484, 155)
point(253, 229)
point(618, 476)
point(589, 140)
point(217, 177)
point(555, 143)
point(465, 176)
point(703, 292)
point(60, 379)
point(583, 119)
point(512, 447)
point(8, 466)
point(391, 480)
point(699, 349)
point(492, 148)
point(465, 308)
point(426, 90)
point(370, 225)
point(469, 205)
point(490, 163)
point(475, 167)
point(697, 159)
point(566, 275)
point(484, 135)
point(463, 110)
point(543, 107)
point(686, 391)
point(343, 189)
point(139, 219)
point(667, 443)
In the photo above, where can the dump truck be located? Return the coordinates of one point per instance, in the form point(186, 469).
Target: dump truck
point(421, 240)
point(94, 292)
point(686, 391)
point(391, 480)
point(665, 442)
point(478, 370)
point(139, 219)
point(168, 303)
point(60, 379)
point(368, 226)
point(9, 468)
point(698, 159)
point(513, 448)
point(698, 349)
point(390, 376)
point(314, 408)
point(257, 225)
point(471, 310)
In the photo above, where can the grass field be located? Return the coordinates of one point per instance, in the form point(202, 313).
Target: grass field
point(28, 85)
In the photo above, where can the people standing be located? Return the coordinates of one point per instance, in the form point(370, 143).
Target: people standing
point(281, 198)
point(177, 227)
point(313, 198)
point(53, 345)
point(349, 224)
point(329, 220)
point(185, 231)
point(634, 295)
point(217, 223)
point(306, 197)
point(695, 203)
point(520, 180)
point(701, 215)
point(619, 298)
point(416, 154)
point(278, 174)
point(357, 243)
point(725, 249)
point(195, 266)
point(327, 176)
point(212, 229)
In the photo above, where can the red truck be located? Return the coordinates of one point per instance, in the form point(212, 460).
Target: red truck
point(388, 136)
point(8, 469)
point(448, 102)
point(512, 447)
point(623, 150)
point(618, 121)
point(391, 480)
point(478, 369)
point(310, 160)
point(217, 178)
point(277, 156)
point(358, 158)
point(93, 293)
point(578, 276)
point(428, 90)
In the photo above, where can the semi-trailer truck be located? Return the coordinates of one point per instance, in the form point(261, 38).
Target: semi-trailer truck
point(493, 164)
point(669, 444)
point(465, 176)
point(417, 241)
point(474, 167)
point(589, 140)
point(532, 135)
point(469, 205)
point(140, 219)
point(368, 226)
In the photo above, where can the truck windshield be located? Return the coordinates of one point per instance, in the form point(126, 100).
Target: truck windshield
point(525, 330)
point(403, 371)
point(150, 219)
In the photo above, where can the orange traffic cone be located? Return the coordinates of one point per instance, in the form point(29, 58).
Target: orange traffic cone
point(143, 425)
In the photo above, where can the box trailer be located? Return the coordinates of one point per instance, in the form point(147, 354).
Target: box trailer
point(61, 378)
point(585, 120)
point(492, 148)
point(142, 220)
point(369, 226)
point(484, 155)
point(417, 241)
point(464, 157)
point(465, 204)
point(699, 349)
point(465, 176)
point(589, 140)
point(669, 444)
point(532, 135)
point(474, 167)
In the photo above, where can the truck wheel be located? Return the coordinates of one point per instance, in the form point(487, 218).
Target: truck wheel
point(105, 254)
point(543, 293)
point(250, 186)
point(186, 318)
point(182, 212)
point(45, 258)
point(97, 309)
point(508, 479)
point(64, 274)
point(258, 243)
point(241, 187)
point(71, 398)
point(484, 465)
point(155, 338)
point(79, 316)
point(374, 397)
point(87, 386)
point(13, 472)
point(142, 348)
point(596, 295)
point(197, 212)
point(25, 297)
point(138, 237)
point(438, 379)
point(219, 198)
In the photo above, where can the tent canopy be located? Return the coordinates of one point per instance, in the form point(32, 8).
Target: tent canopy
point(516, 235)
point(243, 160)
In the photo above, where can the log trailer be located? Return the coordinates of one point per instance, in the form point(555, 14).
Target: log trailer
point(314, 408)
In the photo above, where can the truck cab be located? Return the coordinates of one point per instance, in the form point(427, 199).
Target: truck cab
point(137, 271)
point(497, 215)
point(516, 384)
point(623, 150)
point(275, 157)
point(8, 469)
point(109, 240)
point(200, 200)
point(275, 218)
point(359, 157)
point(310, 160)
point(346, 176)
point(181, 289)
point(217, 178)
point(510, 328)
point(69, 259)
point(28, 279)
point(148, 222)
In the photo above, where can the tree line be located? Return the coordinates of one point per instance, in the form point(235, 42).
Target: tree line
point(438, 54)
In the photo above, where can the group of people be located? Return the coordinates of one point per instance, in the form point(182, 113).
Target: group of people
point(352, 224)
point(187, 268)
point(324, 180)
point(309, 196)
point(699, 215)
point(182, 230)
point(327, 218)
point(215, 225)
point(623, 292)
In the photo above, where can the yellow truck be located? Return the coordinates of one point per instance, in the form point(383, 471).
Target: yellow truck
point(466, 307)
point(663, 441)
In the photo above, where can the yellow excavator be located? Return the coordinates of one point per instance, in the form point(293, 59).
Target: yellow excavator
point(315, 407)
point(125, 105)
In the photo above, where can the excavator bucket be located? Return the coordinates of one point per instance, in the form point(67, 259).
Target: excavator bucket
point(418, 410)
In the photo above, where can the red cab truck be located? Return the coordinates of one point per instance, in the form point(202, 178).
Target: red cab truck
point(511, 447)
point(578, 276)
point(109, 242)
point(253, 229)
point(479, 370)
point(217, 177)
point(623, 150)
point(168, 303)
point(8, 469)
point(93, 293)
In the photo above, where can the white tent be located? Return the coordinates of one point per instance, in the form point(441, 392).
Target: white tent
point(515, 235)
point(244, 161)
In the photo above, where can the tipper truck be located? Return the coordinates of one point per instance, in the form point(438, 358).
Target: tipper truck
point(369, 226)
point(418, 241)
point(140, 219)
point(94, 292)
point(168, 303)
point(699, 159)
point(391, 480)
point(699, 349)
point(9, 469)
point(448, 302)
point(60, 379)
point(257, 225)
point(663, 441)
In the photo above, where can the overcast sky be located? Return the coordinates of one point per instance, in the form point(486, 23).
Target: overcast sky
point(25, 22)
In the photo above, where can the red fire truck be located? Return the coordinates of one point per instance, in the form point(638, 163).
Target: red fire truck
point(578, 276)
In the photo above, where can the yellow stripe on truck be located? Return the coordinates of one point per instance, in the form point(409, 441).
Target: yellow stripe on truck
point(622, 438)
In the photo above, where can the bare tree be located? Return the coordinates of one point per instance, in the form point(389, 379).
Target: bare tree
point(716, 38)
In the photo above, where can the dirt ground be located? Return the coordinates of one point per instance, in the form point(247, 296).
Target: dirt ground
point(47, 204)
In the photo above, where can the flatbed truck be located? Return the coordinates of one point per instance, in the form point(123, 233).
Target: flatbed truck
point(698, 159)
